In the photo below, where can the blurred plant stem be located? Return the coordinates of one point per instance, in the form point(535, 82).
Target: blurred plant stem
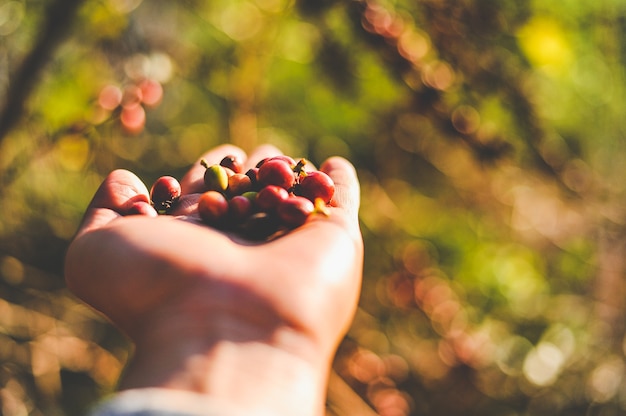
point(59, 18)
point(610, 285)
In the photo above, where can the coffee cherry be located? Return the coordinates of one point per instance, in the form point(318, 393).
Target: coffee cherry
point(164, 193)
point(260, 162)
point(294, 211)
point(239, 208)
point(212, 207)
point(232, 163)
point(239, 183)
point(131, 96)
point(251, 195)
point(316, 184)
point(151, 92)
point(284, 158)
point(215, 178)
point(276, 172)
point(133, 119)
point(270, 196)
point(110, 97)
point(252, 173)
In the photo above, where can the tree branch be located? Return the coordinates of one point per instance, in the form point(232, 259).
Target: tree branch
point(59, 17)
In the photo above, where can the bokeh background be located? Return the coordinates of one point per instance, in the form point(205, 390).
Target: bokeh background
point(489, 137)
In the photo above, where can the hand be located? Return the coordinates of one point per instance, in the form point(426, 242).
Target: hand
point(256, 324)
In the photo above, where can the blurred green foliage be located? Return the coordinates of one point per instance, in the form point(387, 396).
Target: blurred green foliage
point(489, 140)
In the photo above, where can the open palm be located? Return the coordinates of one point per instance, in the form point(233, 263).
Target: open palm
point(166, 277)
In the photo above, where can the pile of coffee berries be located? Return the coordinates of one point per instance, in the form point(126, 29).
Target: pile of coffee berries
point(268, 200)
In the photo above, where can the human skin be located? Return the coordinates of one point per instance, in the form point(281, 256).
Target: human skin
point(251, 325)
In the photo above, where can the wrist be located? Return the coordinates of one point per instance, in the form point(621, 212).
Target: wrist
point(252, 377)
point(250, 359)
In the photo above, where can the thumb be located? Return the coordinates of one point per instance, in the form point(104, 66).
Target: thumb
point(115, 197)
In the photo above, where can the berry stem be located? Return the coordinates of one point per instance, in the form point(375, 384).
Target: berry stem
point(320, 207)
point(299, 168)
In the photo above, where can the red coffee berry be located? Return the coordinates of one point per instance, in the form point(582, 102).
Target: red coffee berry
point(164, 192)
point(239, 208)
point(212, 207)
point(151, 92)
point(269, 197)
point(276, 172)
point(131, 96)
point(232, 162)
point(316, 184)
point(284, 158)
point(133, 119)
point(260, 162)
point(110, 97)
point(294, 211)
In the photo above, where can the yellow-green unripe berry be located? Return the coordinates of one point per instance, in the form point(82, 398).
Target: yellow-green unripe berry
point(216, 178)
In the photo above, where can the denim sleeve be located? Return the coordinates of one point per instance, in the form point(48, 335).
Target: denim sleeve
point(160, 402)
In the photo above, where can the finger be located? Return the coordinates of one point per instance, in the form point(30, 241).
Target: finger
point(115, 197)
point(193, 181)
point(347, 189)
point(186, 206)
